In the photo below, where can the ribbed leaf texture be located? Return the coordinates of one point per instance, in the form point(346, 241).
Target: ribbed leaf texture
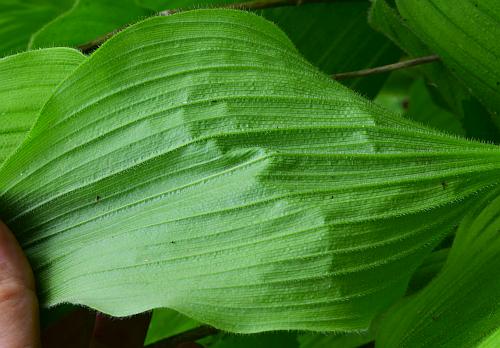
point(460, 308)
point(198, 162)
point(473, 49)
point(27, 81)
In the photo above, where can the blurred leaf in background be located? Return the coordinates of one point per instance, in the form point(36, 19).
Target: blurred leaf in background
point(19, 19)
point(445, 88)
point(87, 20)
point(461, 306)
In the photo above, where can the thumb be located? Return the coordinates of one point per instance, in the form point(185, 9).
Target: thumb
point(19, 327)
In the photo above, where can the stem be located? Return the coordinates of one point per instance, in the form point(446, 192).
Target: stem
point(186, 336)
point(246, 5)
point(386, 68)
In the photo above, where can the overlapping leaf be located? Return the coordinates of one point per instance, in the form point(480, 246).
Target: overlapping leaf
point(449, 92)
point(27, 81)
point(472, 50)
point(461, 307)
point(388, 21)
point(198, 162)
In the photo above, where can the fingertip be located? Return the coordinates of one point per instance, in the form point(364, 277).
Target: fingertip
point(19, 324)
point(12, 259)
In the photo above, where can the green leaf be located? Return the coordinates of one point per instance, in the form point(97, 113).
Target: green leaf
point(348, 340)
point(422, 109)
point(337, 38)
point(430, 267)
point(472, 54)
point(492, 341)
point(388, 21)
point(21, 18)
point(166, 323)
point(87, 20)
point(198, 162)
point(460, 307)
point(333, 36)
point(160, 5)
point(27, 81)
point(448, 91)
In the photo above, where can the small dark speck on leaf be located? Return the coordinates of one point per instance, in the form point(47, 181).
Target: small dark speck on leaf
point(331, 197)
point(172, 242)
point(213, 101)
point(98, 198)
point(444, 185)
point(498, 83)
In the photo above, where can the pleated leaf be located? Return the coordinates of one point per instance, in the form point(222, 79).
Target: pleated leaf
point(461, 307)
point(198, 162)
point(27, 81)
point(333, 36)
point(473, 48)
point(446, 89)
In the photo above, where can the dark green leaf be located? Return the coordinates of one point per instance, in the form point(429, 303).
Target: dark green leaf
point(446, 90)
point(473, 49)
point(461, 306)
point(86, 21)
point(19, 19)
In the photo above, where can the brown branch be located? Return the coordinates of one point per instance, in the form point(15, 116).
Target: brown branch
point(247, 5)
point(386, 68)
point(184, 337)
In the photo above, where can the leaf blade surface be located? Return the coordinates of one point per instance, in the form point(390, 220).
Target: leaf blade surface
point(28, 80)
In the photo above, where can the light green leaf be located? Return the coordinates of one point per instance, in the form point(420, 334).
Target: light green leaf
point(166, 323)
point(333, 36)
point(27, 80)
point(461, 306)
point(19, 19)
point(492, 341)
point(198, 162)
point(473, 50)
point(87, 20)
point(160, 5)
